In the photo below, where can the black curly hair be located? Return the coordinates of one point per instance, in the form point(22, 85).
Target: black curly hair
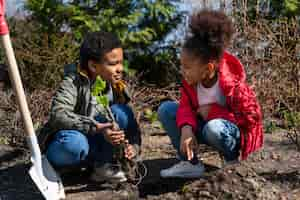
point(96, 45)
point(211, 32)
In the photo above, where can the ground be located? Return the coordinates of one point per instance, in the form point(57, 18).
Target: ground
point(272, 173)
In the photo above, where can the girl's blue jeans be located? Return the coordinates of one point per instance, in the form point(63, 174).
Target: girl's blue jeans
point(221, 134)
point(71, 147)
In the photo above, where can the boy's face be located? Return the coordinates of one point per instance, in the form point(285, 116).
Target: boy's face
point(111, 67)
point(193, 69)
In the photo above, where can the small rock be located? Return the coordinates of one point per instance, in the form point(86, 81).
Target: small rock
point(242, 171)
point(275, 156)
point(255, 185)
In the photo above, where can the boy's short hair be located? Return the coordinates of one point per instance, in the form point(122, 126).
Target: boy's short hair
point(96, 45)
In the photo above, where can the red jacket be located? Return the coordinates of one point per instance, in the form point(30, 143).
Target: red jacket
point(241, 108)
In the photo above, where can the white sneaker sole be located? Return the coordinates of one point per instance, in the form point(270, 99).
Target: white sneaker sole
point(183, 175)
point(112, 180)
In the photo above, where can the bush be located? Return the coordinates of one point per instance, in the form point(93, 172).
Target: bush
point(41, 56)
point(268, 49)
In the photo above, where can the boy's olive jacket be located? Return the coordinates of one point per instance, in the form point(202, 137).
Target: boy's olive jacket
point(71, 105)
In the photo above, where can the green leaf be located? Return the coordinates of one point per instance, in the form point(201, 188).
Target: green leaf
point(292, 5)
point(97, 91)
point(126, 66)
point(103, 100)
point(98, 86)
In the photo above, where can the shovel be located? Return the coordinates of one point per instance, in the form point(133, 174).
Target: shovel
point(41, 172)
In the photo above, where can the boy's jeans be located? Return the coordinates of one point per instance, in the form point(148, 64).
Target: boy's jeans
point(71, 147)
point(218, 133)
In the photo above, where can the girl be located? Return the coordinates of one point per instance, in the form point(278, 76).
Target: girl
point(216, 107)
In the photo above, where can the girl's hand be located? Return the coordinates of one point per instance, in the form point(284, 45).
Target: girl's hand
point(129, 151)
point(188, 142)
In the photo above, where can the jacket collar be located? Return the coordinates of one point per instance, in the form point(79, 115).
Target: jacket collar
point(231, 73)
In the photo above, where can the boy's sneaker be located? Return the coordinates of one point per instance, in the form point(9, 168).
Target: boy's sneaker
point(183, 169)
point(108, 173)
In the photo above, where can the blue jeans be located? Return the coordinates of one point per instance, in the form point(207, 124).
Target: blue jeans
point(218, 133)
point(71, 147)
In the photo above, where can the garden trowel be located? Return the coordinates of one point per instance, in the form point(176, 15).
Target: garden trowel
point(41, 172)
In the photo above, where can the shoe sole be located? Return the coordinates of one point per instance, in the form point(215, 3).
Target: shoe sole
point(109, 180)
point(184, 175)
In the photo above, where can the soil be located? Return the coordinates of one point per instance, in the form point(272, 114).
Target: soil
point(272, 173)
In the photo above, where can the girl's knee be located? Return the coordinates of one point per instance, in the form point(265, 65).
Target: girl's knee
point(167, 110)
point(222, 134)
point(123, 114)
point(214, 127)
point(221, 126)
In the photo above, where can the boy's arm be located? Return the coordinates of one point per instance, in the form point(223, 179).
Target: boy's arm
point(62, 115)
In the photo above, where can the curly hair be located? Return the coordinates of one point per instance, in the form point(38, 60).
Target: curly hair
point(211, 32)
point(96, 45)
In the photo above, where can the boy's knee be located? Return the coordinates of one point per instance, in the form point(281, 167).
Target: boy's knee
point(167, 110)
point(74, 142)
point(68, 148)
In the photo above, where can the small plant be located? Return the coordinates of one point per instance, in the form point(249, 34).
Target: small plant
point(291, 119)
point(150, 115)
point(97, 91)
point(271, 127)
point(292, 122)
point(4, 140)
point(119, 151)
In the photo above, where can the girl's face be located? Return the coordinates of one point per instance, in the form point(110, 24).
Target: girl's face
point(193, 69)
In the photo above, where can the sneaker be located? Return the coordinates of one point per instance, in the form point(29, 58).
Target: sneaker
point(109, 173)
point(183, 169)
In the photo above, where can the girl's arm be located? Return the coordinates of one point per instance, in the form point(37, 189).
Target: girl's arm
point(245, 106)
point(185, 113)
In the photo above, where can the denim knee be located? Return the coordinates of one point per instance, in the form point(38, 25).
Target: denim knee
point(67, 148)
point(123, 114)
point(224, 136)
point(167, 116)
point(167, 111)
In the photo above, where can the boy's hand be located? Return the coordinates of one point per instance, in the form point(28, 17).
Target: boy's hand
point(129, 151)
point(114, 137)
point(101, 126)
point(188, 142)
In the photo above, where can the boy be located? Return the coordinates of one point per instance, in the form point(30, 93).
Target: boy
point(75, 135)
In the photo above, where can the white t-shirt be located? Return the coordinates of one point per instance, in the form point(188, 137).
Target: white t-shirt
point(208, 96)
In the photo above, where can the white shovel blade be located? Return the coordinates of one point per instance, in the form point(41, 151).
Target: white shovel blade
point(50, 184)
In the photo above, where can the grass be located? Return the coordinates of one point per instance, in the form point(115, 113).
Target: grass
point(4, 140)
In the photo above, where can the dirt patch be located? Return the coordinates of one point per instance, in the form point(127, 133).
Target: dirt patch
point(272, 173)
